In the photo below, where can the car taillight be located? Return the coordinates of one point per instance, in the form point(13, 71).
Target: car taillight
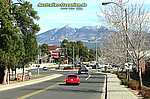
point(65, 80)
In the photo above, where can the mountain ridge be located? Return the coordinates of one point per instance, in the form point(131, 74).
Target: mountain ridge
point(85, 34)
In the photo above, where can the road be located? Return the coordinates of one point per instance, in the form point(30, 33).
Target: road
point(90, 88)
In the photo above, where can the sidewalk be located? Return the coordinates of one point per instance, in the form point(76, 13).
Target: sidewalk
point(117, 91)
point(30, 82)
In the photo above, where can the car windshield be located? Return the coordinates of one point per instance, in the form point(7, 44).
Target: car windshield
point(72, 76)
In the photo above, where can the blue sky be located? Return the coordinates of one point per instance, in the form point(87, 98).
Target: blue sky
point(91, 15)
point(56, 18)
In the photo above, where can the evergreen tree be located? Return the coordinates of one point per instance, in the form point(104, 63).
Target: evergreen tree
point(11, 42)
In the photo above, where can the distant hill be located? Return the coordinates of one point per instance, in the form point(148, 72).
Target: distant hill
point(86, 34)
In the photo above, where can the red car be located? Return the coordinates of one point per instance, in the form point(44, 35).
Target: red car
point(72, 79)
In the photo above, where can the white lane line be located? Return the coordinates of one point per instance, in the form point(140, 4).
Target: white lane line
point(88, 77)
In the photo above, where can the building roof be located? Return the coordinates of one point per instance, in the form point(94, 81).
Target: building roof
point(52, 47)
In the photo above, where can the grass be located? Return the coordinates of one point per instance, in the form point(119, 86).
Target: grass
point(34, 76)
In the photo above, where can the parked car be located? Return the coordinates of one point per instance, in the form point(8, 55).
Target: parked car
point(93, 66)
point(67, 68)
point(72, 79)
point(83, 70)
point(45, 68)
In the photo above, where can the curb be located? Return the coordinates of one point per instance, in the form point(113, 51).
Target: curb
point(21, 84)
point(103, 89)
point(66, 70)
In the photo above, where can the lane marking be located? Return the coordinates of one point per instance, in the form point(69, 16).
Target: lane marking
point(37, 92)
point(88, 77)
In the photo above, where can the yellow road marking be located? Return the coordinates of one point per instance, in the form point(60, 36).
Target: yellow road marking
point(36, 92)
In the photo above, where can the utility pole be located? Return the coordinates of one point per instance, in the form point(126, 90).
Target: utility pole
point(96, 51)
point(96, 55)
point(127, 45)
point(66, 54)
point(39, 59)
point(126, 34)
point(73, 56)
point(126, 28)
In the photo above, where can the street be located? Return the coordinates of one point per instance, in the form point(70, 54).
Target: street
point(89, 88)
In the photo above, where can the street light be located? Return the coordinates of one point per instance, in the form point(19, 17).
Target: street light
point(96, 50)
point(96, 47)
point(126, 26)
point(106, 3)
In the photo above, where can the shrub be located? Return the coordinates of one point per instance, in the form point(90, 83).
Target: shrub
point(115, 72)
point(124, 82)
point(67, 68)
point(133, 84)
point(146, 92)
point(121, 75)
point(106, 71)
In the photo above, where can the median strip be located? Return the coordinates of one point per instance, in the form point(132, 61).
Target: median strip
point(21, 84)
point(88, 77)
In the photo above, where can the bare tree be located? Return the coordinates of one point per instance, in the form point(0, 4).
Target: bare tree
point(131, 29)
point(113, 49)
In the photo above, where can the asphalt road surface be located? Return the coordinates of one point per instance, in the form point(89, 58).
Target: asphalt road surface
point(89, 88)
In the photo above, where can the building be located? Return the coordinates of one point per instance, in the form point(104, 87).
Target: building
point(54, 51)
point(57, 53)
point(145, 65)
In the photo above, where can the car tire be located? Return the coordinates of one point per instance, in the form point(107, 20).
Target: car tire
point(78, 83)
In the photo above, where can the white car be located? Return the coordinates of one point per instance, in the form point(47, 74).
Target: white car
point(88, 67)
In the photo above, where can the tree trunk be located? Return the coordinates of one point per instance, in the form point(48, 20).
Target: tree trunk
point(15, 73)
point(140, 75)
point(8, 76)
point(5, 76)
point(128, 75)
point(12, 72)
point(140, 79)
point(23, 74)
point(59, 65)
point(1, 74)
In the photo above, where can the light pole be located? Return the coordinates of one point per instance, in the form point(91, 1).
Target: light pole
point(96, 50)
point(66, 54)
point(73, 55)
point(65, 51)
point(39, 59)
point(126, 27)
point(60, 51)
